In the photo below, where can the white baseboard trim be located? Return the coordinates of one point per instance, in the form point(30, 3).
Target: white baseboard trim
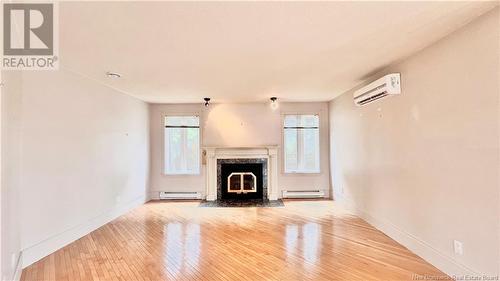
point(437, 258)
point(19, 268)
point(154, 195)
point(46, 247)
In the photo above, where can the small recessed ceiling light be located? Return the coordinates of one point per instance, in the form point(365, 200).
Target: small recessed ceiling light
point(113, 75)
point(207, 101)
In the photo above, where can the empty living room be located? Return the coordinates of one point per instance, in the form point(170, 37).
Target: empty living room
point(249, 140)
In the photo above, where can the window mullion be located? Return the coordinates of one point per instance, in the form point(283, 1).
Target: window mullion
point(184, 149)
point(300, 150)
point(167, 147)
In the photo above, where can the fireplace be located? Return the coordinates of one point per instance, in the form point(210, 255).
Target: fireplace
point(249, 172)
point(242, 179)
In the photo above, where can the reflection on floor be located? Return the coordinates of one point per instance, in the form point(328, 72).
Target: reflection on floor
point(305, 240)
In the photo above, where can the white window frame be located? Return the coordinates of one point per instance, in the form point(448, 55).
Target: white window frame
point(164, 152)
point(299, 147)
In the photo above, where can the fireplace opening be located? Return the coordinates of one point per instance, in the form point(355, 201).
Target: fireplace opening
point(241, 181)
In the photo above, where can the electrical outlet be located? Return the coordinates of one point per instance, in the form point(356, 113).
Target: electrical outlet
point(458, 247)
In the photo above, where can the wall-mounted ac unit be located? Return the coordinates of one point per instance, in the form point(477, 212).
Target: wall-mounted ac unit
point(180, 195)
point(383, 87)
point(303, 194)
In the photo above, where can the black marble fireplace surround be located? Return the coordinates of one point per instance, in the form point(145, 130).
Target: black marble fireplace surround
point(258, 166)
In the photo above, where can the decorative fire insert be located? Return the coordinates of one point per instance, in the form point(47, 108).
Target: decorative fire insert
point(241, 182)
point(256, 166)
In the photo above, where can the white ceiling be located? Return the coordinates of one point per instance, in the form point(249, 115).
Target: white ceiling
point(248, 51)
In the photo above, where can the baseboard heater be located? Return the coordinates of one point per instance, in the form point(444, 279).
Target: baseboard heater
point(303, 194)
point(180, 195)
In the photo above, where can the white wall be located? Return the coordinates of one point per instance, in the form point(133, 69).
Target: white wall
point(424, 166)
point(85, 158)
point(236, 125)
point(11, 100)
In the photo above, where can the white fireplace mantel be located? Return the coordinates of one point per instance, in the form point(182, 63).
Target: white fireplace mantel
point(269, 152)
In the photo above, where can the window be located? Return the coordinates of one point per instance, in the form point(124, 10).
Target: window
point(301, 143)
point(182, 145)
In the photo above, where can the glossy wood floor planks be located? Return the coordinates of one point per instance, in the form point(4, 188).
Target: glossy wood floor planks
point(305, 240)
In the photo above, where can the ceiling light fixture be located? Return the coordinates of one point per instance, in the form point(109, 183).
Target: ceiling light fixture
point(274, 102)
point(113, 75)
point(207, 101)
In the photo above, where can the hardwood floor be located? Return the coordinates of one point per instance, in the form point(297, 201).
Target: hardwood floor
point(305, 240)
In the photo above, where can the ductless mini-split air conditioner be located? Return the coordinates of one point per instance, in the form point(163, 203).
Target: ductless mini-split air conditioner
point(383, 87)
